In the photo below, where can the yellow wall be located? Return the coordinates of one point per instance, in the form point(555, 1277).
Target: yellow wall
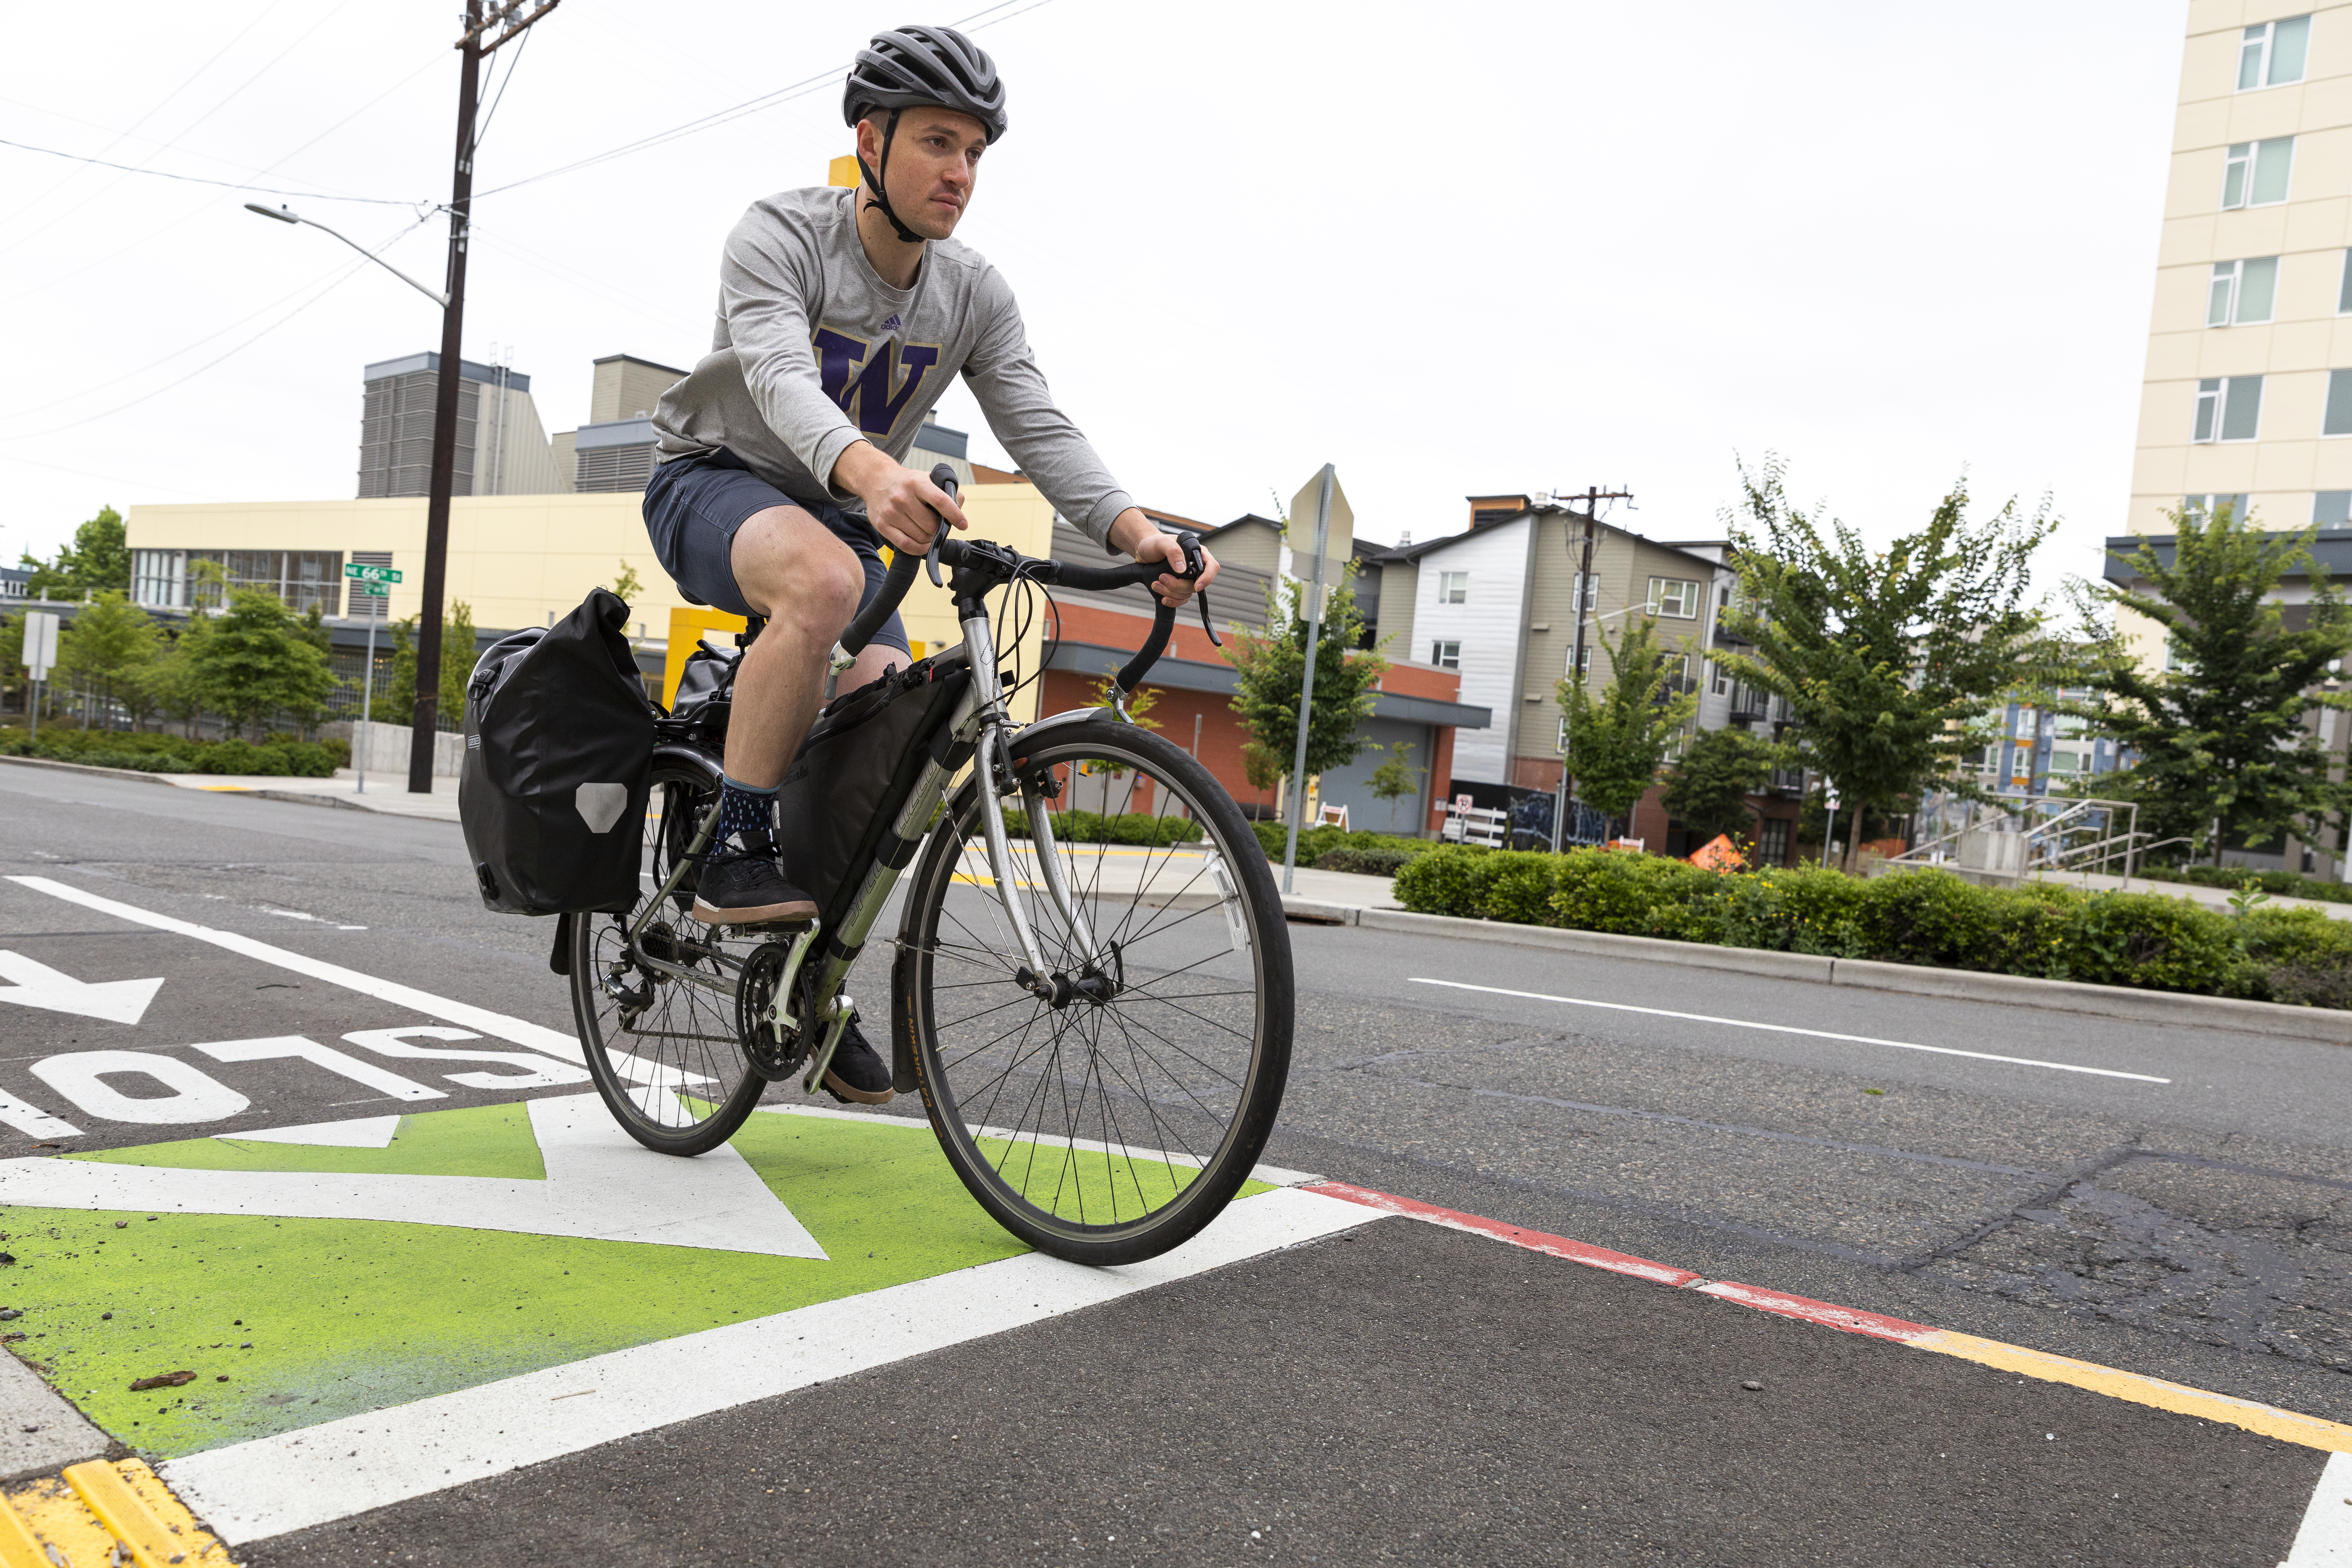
point(512, 558)
point(515, 559)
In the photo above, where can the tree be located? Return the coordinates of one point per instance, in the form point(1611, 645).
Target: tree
point(1271, 670)
point(111, 650)
point(98, 558)
point(2219, 738)
point(626, 586)
point(1717, 773)
point(395, 702)
point(1396, 779)
point(1261, 768)
point(253, 662)
point(1616, 741)
point(1886, 658)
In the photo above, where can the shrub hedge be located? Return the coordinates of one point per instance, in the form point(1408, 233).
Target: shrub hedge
point(1093, 827)
point(174, 755)
point(1317, 843)
point(2150, 941)
point(2285, 884)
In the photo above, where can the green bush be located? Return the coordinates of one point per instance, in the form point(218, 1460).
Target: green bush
point(175, 754)
point(1366, 862)
point(1326, 838)
point(2142, 940)
point(2278, 884)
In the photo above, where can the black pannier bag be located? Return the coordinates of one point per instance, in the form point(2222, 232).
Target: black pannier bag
point(856, 770)
point(559, 748)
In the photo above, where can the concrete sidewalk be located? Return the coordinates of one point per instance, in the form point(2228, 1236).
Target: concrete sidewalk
point(387, 794)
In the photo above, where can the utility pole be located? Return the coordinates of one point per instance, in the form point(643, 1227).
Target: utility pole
point(472, 49)
point(1593, 495)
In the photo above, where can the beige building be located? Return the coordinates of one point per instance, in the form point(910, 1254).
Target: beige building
point(2248, 397)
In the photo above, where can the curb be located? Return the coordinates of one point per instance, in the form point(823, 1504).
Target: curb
point(86, 768)
point(2320, 1024)
point(2136, 1388)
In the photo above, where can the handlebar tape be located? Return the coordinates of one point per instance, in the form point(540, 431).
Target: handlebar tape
point(898, 580)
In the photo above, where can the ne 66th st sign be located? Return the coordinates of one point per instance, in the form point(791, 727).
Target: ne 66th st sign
point(371, 573)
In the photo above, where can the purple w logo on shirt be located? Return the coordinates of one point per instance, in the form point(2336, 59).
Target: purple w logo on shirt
point(864, 388)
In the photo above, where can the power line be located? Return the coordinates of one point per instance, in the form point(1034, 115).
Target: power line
point(155, 234)
point(201, 180)
point(222, 103)
point(499, 96)
point(712, 121)
point(157, 108)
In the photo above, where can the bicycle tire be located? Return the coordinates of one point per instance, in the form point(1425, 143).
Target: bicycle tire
point(693, 1036)
point(1182, 1064)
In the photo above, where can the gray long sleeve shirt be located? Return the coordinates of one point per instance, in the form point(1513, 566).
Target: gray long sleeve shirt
point(814, 351)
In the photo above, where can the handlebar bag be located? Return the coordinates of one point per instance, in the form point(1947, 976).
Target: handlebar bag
point(559, 753)
point(855, 772)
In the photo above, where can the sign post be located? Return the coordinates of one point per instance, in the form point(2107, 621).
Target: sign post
point(376, 577)
point(40, 656)
point(1334, 530)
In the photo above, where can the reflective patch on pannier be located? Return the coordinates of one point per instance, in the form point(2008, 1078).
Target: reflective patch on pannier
point(600, 804)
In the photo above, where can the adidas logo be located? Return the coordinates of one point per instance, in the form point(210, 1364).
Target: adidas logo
point(892, 324)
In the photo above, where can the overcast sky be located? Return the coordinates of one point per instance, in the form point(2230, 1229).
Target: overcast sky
point(1452, 249)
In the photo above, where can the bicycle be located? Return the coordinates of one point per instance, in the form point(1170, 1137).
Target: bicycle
point(1096, 1004)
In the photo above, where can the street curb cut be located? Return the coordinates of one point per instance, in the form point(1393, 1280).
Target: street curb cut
point(2325, 1024)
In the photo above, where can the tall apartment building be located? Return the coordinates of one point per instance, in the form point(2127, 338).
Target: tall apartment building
point(502, 448)
point(2249, 383)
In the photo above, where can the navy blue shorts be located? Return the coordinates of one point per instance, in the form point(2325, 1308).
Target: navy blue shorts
point(693, 507)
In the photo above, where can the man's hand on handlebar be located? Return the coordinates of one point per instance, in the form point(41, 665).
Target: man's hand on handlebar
point(1135, 535)
point(900, 502)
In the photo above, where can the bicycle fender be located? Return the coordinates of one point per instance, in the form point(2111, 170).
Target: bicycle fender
point(902, 1020)
point(1044, 730)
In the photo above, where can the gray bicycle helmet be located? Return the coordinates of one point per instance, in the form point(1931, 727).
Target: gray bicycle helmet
point(917, 64)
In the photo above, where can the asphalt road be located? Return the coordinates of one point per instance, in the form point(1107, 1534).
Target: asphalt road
point(1501, 1407)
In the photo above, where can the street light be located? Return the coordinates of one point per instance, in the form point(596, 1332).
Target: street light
point(285, 215)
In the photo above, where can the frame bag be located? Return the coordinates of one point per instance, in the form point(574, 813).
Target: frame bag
point(558, 751)
point(856, 770)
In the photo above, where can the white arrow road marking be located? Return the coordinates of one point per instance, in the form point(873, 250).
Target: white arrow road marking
point(359, 1133)
point(601, 1185)
point(498, 1025)
point(38, 985)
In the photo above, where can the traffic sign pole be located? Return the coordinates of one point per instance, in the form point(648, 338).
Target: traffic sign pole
point(40, 652)
point(380, 576)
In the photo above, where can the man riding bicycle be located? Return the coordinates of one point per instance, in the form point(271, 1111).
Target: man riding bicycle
point(843, 314)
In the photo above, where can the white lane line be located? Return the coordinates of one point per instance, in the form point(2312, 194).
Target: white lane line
point(1792, 1029)
point(2325, 1539)
point(252, 1490)
point(495, 1024)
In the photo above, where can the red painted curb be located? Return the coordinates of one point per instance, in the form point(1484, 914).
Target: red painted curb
point(1827, 1314)
point(1583, 1252)
point(1874, 1324)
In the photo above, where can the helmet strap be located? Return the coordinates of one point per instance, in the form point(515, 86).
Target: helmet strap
point(881, 196)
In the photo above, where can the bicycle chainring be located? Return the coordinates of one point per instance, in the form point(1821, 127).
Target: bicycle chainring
point(773, 1058)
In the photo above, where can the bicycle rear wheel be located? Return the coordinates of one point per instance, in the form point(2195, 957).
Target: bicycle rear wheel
point(663, 1045)
point(1115, 1126)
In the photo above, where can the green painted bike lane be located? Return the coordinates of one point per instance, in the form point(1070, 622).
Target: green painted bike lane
point(288, 1323)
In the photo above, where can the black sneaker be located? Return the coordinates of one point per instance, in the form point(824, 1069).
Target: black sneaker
point(744, 887)
point(856, 1073)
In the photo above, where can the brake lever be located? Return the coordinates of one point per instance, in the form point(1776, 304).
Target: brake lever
point(931, 557)
point(1190, 543)
point(1214, 640)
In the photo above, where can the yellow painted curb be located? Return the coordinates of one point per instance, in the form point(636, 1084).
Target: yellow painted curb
point(19, 1548)
point(2267, 1419)
point(62, 1523)
point(131, 1501)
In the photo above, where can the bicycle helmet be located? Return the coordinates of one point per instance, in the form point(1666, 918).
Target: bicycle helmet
point(915, 65)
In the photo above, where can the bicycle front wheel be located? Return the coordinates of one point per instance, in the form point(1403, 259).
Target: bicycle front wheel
point(1114, 1125)
point(657, 1020)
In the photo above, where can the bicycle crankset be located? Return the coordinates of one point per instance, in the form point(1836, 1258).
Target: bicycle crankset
point(772, 991)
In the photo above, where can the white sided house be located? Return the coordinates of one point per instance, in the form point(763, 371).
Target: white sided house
point(1469, 614)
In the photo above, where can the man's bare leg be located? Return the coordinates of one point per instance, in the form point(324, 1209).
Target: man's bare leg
point(791, 570)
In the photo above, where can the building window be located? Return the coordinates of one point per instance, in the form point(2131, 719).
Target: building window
point(1673, 597)
point(2211, 505)
point(2332, 509)
point(1562, 744)
point(2228, 409)
point(2242, 291)
point(1772, 841)
point(1581, 658)
point(1722, 679)
point(159, 578)
point(1445, 655)
point(2255, 175)
point(1454, 587)
point(2270, 54)
point(1584, 595)
point(2337, 420)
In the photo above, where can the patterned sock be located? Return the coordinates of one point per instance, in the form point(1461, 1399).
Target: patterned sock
point(745, 814)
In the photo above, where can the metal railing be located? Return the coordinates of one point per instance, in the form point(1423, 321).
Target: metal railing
point(2016, 836)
